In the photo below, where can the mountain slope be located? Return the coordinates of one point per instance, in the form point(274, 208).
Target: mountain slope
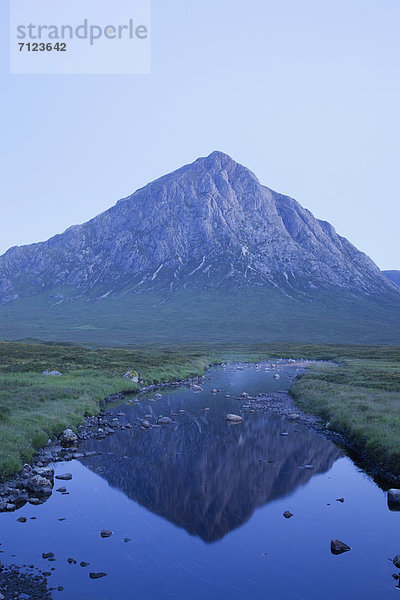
point(195, 242)
point(393, 276)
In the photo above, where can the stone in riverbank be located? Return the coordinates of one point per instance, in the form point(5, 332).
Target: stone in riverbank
point(68, 438)
point(39, 485)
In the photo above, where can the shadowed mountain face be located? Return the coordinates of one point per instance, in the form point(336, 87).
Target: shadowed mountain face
point(207, 476)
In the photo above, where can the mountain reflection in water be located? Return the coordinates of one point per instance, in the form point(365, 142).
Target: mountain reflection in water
point(203, 474)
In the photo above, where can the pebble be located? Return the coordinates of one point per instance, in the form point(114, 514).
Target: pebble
point(234, 418)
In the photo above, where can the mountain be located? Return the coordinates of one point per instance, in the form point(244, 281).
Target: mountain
point(196, 244)
point(393, 276)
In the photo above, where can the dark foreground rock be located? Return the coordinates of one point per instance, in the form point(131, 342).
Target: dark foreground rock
point(17, 583)
point(338, 547)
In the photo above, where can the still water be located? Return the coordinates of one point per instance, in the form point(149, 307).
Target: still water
point(201, 502)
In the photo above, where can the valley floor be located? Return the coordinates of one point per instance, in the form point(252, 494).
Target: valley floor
point(358, 393)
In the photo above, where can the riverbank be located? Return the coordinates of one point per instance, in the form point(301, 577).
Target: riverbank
point(360, 397)
point(35, 407)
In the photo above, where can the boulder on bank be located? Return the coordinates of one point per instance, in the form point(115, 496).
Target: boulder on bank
point(54, 373)
point(39, 485)
point(132, 376)
point(68, 438)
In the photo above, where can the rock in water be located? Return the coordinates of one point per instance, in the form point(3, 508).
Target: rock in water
point(164, 420)
point(396, 561)
point(234, 418)
point(97, 575)
point(64, 477)
point(105, 533)
point(287, 514)
point(338, 547)
point(393, 498)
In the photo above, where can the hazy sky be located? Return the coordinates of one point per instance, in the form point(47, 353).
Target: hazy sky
point(306, 93)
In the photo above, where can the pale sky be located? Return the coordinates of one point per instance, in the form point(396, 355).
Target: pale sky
point(304, 93)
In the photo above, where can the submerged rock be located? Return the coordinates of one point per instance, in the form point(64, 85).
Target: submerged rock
point(164, 420)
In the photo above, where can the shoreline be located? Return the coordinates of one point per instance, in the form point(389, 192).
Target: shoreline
point(15, 491)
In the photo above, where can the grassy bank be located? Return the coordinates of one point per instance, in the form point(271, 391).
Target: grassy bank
point(360, 398)
point(34, 407)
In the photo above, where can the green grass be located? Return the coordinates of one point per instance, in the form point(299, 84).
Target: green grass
point(361, 399)
point(34, 407)
point(360, 396)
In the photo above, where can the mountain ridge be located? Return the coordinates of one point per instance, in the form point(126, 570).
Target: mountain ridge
point(204, 254)
point(210, 223)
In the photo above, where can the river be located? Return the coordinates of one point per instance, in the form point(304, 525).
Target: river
point(196, 507)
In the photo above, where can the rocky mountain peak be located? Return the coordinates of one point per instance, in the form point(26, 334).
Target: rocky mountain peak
point(208, 225)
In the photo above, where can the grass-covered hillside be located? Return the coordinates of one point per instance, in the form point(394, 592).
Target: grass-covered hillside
point(241, 316)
